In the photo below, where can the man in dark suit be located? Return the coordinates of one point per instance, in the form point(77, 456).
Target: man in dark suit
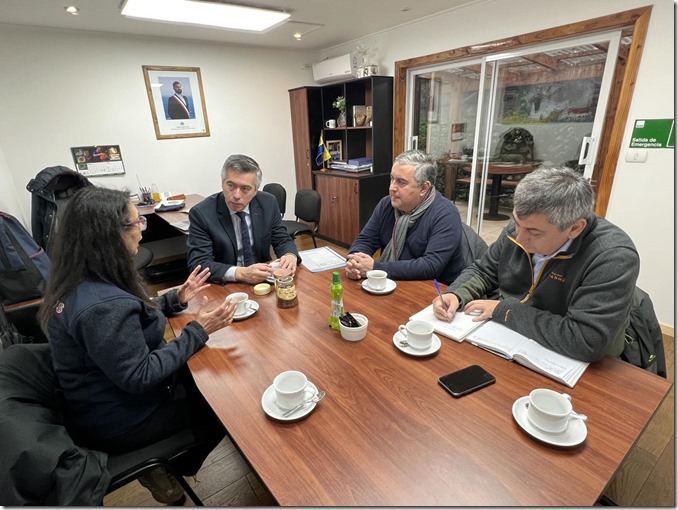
point(232, 232)
point(177, 105)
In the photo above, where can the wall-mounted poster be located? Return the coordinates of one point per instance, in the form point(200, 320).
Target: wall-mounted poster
point(98, 160)
point(177, 101)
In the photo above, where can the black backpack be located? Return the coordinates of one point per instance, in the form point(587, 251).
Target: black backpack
point(24, 266)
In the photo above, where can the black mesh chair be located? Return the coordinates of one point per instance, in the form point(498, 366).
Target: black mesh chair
point(307, 208)
point(278, 191)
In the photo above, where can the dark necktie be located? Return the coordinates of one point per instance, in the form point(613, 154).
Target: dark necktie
point(248, 258)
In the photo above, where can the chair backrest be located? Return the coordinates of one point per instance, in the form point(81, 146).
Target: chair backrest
point(644, 341)
point(278, 191)
point(307, 204)
point(52, 189)
point(474, 245)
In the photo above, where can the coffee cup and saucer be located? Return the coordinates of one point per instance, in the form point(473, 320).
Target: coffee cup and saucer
point(547, 416)
point(245, 307)
point(416, 338)
point(378, 283)
point(289, 389)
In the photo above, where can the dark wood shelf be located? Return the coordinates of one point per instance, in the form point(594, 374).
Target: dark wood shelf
point(348, 198)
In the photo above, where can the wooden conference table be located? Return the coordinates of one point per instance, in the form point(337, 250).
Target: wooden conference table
point(387, 434)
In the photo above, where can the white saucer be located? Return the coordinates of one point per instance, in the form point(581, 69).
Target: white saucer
point(572, 436)
point(433, 348)
point(271, 408)
point(270, 279)
point(390, 287)
point(254, 306)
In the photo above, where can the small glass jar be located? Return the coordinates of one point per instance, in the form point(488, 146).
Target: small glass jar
point(285, 290)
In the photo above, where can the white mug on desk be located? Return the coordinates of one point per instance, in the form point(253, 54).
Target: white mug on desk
point(332, 123)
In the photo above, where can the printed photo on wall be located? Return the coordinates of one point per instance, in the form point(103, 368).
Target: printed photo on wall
point(177, 101)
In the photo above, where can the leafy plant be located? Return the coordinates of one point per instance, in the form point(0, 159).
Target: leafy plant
point(340, 104)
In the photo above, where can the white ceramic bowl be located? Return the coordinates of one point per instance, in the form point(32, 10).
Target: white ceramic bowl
point(354, 334)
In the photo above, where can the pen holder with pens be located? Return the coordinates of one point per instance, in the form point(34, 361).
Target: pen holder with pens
point(147, 198)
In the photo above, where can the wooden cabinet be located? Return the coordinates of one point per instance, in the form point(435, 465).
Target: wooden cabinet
point(347, 203)
point(348, 198)
point(306, 126)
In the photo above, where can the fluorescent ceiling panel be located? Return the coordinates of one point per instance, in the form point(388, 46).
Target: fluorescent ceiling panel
point(232, 17)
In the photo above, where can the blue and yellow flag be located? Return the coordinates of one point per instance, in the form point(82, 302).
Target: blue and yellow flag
point(323, 154)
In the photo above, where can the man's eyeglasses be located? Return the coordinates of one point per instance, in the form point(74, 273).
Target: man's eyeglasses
point(142, 222)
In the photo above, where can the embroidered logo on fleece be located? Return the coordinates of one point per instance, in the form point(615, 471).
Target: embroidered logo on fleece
point(557, 277)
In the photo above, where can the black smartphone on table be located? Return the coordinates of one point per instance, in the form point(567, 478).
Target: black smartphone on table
point(464, 381)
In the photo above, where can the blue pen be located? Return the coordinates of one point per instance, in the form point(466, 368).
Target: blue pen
point(440, 294)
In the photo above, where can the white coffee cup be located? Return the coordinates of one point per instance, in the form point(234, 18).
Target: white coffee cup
point(419, 334)
point(290, 388)
point(549, 410)
point(332, 123)
point(242, 302)
point(376, 279)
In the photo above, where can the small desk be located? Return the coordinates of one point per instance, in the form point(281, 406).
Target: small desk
point(498, 171)
point(170, 216)
point(387, 434)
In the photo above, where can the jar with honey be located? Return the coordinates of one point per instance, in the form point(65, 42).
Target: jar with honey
point(285, 289)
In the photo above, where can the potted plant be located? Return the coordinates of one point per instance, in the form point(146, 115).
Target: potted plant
point(340, 104)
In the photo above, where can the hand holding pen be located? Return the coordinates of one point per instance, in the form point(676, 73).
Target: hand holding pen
point(442, 309)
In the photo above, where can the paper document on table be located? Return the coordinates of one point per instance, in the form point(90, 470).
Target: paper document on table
point(460, 326)
point(321, 259)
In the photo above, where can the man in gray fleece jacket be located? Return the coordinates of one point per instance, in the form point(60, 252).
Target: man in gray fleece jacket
point(566, 277)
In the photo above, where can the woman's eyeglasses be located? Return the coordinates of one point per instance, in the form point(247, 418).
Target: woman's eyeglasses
point(142, 222)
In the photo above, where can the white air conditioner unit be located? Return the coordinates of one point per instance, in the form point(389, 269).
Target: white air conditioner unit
point(335, 70)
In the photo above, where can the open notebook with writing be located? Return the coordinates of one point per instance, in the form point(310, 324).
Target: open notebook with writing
point(508, 344)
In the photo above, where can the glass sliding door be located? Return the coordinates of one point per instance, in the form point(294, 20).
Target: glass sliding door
point(489, 122)
point(443, 119)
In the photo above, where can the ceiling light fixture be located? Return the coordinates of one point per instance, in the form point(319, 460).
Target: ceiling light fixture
point(213, 14)
point(297, 36)
point(72, 9)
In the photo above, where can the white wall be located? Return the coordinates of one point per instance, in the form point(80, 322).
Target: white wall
point(65, 89)
point(642, 199)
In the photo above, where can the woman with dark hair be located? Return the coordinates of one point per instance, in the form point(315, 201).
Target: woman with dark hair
point(123, 385)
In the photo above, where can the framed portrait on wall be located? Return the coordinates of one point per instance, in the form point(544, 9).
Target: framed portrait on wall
point(177, 101)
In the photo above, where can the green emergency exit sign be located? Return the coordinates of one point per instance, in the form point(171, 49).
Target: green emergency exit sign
point(653, 134)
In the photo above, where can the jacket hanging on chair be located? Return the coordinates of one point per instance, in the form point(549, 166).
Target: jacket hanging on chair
point(51, 190)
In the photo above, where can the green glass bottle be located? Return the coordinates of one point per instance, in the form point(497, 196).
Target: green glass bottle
point(337, 306)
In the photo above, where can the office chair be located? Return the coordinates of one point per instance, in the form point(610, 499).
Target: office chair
point(474, 245)
point(278, 191)
point(307, 204)
point(143, 257)
point(127, 467)
point(44, 466)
